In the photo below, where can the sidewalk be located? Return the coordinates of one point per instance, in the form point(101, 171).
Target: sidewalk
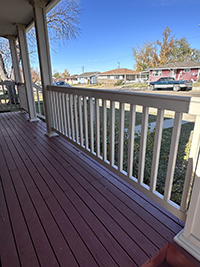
point(166, 124)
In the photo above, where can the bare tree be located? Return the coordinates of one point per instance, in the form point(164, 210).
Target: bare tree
point(62, 22)
point(4, 59)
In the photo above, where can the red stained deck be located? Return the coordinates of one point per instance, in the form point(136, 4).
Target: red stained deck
point(58, 207)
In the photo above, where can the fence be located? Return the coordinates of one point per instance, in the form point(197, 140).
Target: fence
point(87, 117)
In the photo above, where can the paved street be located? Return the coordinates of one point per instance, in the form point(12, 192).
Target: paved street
point(192, 93)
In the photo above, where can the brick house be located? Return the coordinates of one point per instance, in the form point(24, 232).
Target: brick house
point(188, 70)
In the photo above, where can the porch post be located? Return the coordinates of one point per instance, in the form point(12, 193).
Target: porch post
point(15, 61)
point(27, 72)
point(189, 237)
point(44, 57)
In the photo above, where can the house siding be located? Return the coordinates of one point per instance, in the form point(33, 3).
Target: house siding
point(191, 75)
point(178, 74)
point(165, 73)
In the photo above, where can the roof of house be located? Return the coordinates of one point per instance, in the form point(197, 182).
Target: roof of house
point(119, 71)
point(178, 65)
point(58, 79)
point(88, 74)
point(72, 76)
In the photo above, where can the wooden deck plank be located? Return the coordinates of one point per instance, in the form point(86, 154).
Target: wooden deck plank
point(92, 242)
point(100, 220)
point(23, 241)
point(9, 254)
point(174, 224)
point(42, 245)
point(63, 185)
point(82, 253)
point(142, 242)
point(160, 241)
point(119, 199)
point(41, 127)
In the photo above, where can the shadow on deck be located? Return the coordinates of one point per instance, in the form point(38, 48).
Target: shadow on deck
point(59, 207)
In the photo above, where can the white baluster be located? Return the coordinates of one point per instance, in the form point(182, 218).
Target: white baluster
point(104, 129)
point(143, 140)
point(112, 132)
point(156, 149)
point(131, 140)
point(121, 137)
point(173, 155)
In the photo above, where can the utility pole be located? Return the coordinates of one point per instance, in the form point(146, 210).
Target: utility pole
point(118, 65)
point(83, 69)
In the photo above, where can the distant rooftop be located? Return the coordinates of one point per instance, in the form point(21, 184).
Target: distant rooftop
point(88, 74)
point(178, 65)
point(119, 71)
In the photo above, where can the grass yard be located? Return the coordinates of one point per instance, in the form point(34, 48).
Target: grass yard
point(41, 107)
point(181, 161)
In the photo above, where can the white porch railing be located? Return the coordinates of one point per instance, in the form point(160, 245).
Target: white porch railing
point(38, 97)
point(75, 114)
point(9, 99)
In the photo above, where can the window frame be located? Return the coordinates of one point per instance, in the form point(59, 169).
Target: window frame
point(156, 73)
point(187, 70)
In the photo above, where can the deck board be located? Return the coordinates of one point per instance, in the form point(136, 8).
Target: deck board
point(67, 208)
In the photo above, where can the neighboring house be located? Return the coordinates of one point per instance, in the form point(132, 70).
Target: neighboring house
point(73, 79)
point(88, 77)
point(70, 80)
point(188, 70)
point(124, 74)
point(59, 80)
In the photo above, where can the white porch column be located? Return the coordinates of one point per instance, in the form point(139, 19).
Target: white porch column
point(189, 237)
point(44, 57)
point(15, 60)
point(26, 71)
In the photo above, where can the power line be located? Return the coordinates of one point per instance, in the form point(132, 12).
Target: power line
point(193, 37)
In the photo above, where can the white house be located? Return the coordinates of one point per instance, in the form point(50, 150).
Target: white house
point(127, 75)
point(88, 77)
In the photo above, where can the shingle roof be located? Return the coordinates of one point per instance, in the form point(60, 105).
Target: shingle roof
point(88, 74)
point(178, 65)
point(72, 76)
point(119, 71)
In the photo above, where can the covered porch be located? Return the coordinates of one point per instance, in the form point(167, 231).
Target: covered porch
point(60, 207)
point(73, 193)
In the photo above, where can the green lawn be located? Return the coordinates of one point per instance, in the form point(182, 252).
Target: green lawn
point(181, 161)
point(41, 107)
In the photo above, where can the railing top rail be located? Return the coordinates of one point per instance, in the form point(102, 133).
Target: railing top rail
point(184, 104)
point(37, 87)
point(7, 83)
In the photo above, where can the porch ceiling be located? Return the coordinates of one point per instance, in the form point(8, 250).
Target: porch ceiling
point(18, 11)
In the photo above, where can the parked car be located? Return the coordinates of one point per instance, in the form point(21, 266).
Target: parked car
point(62, 83)
point(170, 82)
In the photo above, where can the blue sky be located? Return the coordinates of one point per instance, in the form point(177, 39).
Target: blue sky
point(109, 30)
